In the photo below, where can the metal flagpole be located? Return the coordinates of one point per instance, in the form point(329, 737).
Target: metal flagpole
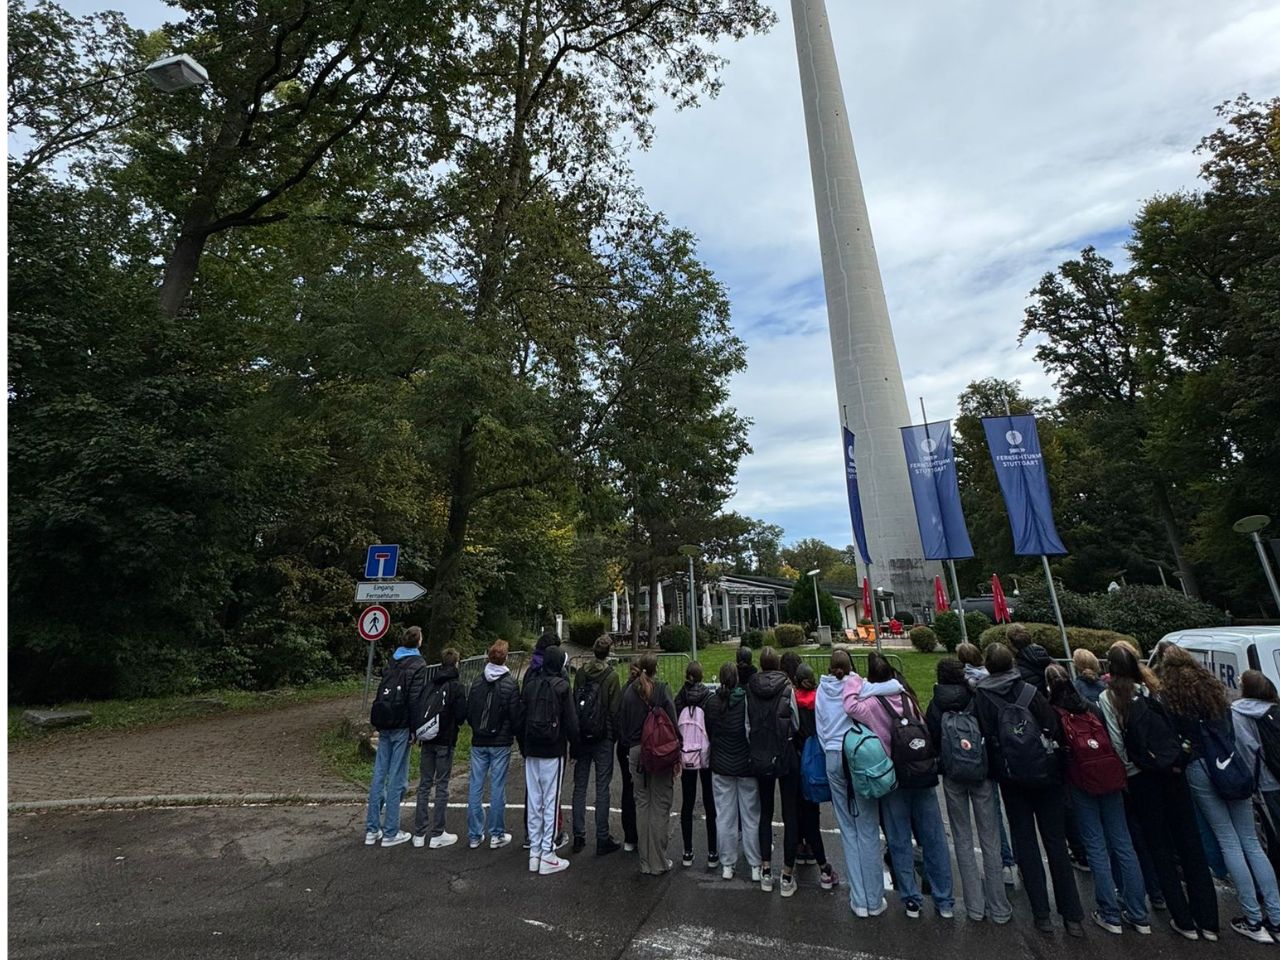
point(1057, 612)
point(951, 564)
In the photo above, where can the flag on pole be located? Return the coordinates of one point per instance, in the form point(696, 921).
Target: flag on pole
point(935, 490)
point(613, 618)
point(999, 603)
point(855, 501)
point(940, 596)
point(662, 613)
point(866, 600)
point(625, 621)
point(1015, 451)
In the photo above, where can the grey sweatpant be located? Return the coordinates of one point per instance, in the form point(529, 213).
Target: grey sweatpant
point(655, 793)
point(984, 892)
point(437, 762)
point(737, 809)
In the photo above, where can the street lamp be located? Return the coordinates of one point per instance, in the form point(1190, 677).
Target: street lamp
point(175, 73)
point(1250, 526)
point(817, 608)
point(690, 550)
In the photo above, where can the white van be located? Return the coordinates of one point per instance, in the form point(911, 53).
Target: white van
point(1229, 651)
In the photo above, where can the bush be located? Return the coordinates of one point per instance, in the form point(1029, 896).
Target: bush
point(924, 639)
point(1047, 635)
point(789, 634)
point(755, 639)
point(975, 621)
point(585, 629)
point(675, 638)
point(1078, 609)
point(1148, 613)
point(799, 608)
point(906, 618)
point(946, 626)
point(709, 633)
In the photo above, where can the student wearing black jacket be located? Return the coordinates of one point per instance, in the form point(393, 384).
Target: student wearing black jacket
point(654, 791)
point(1030, 658)
point(1030, 807)
point(771, 712)
point(392, 713)
point(445, 696)
point(691, 703)
point(495, 713)
point(550, 725)
point(736, 793)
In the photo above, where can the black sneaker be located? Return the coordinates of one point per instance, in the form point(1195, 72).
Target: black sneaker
point(1044, 924)
point(687, 859)
point(1274, 930)
point(913, 909)
point(713, 861)
point(579, 843)
point(1074, 929)
point(527, 844)
point(608, 846)
point(1253, 929)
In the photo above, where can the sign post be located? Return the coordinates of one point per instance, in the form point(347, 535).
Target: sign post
point(373, 625)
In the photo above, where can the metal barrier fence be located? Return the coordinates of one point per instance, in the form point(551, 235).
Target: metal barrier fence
point(472, 668)
point(821, 662)
point(671, 667)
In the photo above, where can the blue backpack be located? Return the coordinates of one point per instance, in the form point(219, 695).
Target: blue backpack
point(866, 765)
point(1230, 776)
point(813, 772)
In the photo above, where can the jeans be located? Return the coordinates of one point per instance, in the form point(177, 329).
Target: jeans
point(737, 812)
point(1105, 835)
point(437, 762)
point(1232, 824)
point(1212, 852)
point(600, 756)
point(984, 893)
point(390, 767)
point(629, 832)
point(488, 763)
point(1042, 808)
point(915, 809)
point(1161, 804)
point(859, 822)
point(689, 780)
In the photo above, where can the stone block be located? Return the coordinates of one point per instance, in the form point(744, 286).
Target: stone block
point(47, 719)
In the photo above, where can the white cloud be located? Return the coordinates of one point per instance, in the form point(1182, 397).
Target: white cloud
point(994, 139)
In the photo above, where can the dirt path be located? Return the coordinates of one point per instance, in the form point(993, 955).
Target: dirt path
point(259, 752)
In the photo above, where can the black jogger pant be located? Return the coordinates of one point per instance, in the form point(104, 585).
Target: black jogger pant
point(1030, 808)
point(689, 780)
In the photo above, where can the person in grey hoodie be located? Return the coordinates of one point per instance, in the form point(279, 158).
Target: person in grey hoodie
point(1257, 699)
point(857, 817)
point(597, 695)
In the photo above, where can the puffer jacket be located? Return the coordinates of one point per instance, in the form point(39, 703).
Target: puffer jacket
point(1002, 688)
point(494, 708)
point(726, 714)
point(1032, 661)
point(693, 695)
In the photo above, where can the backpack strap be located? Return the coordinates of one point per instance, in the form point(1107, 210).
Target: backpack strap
point(888, 708)
point(1026, 696)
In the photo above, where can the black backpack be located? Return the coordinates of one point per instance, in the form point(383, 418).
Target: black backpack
point(491, 718)
point(1268, 726)
point(915, 761)
point(962, 756)
point(771, 753)
point(390, 710)
point(1026, 754)
point(593, 724)
point(1150, 738)
point(542, 726)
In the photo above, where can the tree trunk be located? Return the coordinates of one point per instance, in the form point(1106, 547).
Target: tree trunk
point(1170, 523)
point(442, 626)
point(180, 272)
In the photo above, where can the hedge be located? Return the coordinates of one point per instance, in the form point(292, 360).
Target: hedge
point(924, 639)
point(586, 628)
point(789, 634)
point(675, 638)
point(947, 626)
point(975, 622)
point(755, 639)
point(1047, 635)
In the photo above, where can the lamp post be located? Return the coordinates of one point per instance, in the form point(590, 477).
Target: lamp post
point(690, 551)
point(1251, 526)
point(817, 608)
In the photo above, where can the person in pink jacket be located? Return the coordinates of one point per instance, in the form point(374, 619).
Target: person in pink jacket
point(880, 701)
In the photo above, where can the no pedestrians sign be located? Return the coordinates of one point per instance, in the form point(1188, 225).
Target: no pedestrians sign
point(374, 623)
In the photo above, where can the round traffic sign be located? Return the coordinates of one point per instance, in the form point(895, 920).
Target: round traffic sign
point(374, 623)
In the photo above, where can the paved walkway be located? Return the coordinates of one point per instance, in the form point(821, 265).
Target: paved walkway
point(258, 752)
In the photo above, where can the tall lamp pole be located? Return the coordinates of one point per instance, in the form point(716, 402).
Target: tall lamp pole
point(817, 608)
point(1251, 526)
point(690, 550)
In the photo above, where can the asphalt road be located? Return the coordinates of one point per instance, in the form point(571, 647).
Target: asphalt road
point(299, 883)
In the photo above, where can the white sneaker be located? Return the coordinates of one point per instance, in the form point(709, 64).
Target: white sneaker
point(561, 842)
point(371, 837)
point(496, 843)
point(473, 844)
point(401, 836)
point(726, 872)
point(444, 840)
point(755, 874)
point(552, 864)
point(534, 864)
point(629, 847)
point(1010, 877)
point(420, 841)
point(884, 905)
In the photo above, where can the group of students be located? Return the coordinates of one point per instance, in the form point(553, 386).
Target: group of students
point(1117, 770)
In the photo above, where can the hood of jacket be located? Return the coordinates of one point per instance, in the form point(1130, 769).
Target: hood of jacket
point(1249, 707)
point(1001, 684)
point(693, 694)
point(951, 696)
point(736, 696)
point(1034, 656)
point(553, 660)
point(595, 670)
point(444, 675)
point(492, 671)
point(767, 684)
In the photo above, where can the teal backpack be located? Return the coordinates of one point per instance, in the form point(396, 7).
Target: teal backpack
point(866, 765)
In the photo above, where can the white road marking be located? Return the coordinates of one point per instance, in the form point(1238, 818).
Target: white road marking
point(689, 942)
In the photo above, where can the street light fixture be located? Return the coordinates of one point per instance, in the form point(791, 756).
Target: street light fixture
point(1250, 526)
point(175, 73)
point(817, 608)
point(691, 550)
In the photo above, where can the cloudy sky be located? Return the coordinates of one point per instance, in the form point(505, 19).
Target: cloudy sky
point(995, 139)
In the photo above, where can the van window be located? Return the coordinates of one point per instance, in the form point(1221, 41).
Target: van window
point(1225, 665)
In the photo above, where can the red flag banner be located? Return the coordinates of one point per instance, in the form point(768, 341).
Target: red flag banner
point(999, 603)
point(940, 596)
point(866, 600)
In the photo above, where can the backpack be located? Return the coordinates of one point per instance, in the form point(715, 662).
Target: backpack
point(432, 712)
point(490, 720)
point(695, 750)
point(813, 772)
point(771, 752)
point(659, 744)
point(962, 756)
point(1150, 738)
point(1092, 762)
point(866, 766)
point(390, 709)
point(1231, 779)
point(593, 724)
point(915, 762)
point(1025, 752)
point(542, 727)
point(1268, 727)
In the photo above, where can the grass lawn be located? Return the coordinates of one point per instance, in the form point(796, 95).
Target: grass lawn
point(124, 714)
point(340, 755)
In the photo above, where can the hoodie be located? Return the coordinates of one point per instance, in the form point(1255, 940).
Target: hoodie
point(602, 672)
point(762, 688)
point(832, 721)
point(947, 697)
point(548, 639)
point(494, 708)
point(1003, 688)
point(806, 700)
point(1031, 662)
point(693, 695)
point(727, 728)
point(1245, 714)
point(861, 704)
point(973, 675)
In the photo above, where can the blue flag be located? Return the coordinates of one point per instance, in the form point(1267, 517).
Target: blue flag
point(1015, 451)
point(855, 502)
point(931, 465)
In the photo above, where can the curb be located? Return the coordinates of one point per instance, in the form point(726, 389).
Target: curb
point(189, 800)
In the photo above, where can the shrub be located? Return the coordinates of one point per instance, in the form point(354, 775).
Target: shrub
point(946, 626)
point(789, 634)
point(675, 638)
point(709, 633)
point(924, 639)
point(1148, 613)
point(1047, 635)
point(585, 629)
point(975, 621)
point(800, 608)
point(1078, 609)
point(755, 639)
point(906, 618)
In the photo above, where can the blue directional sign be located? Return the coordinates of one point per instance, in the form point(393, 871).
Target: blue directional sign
point(381, 561)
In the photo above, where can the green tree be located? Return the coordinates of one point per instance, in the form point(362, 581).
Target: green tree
point(800, 607)
point(811, 554)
